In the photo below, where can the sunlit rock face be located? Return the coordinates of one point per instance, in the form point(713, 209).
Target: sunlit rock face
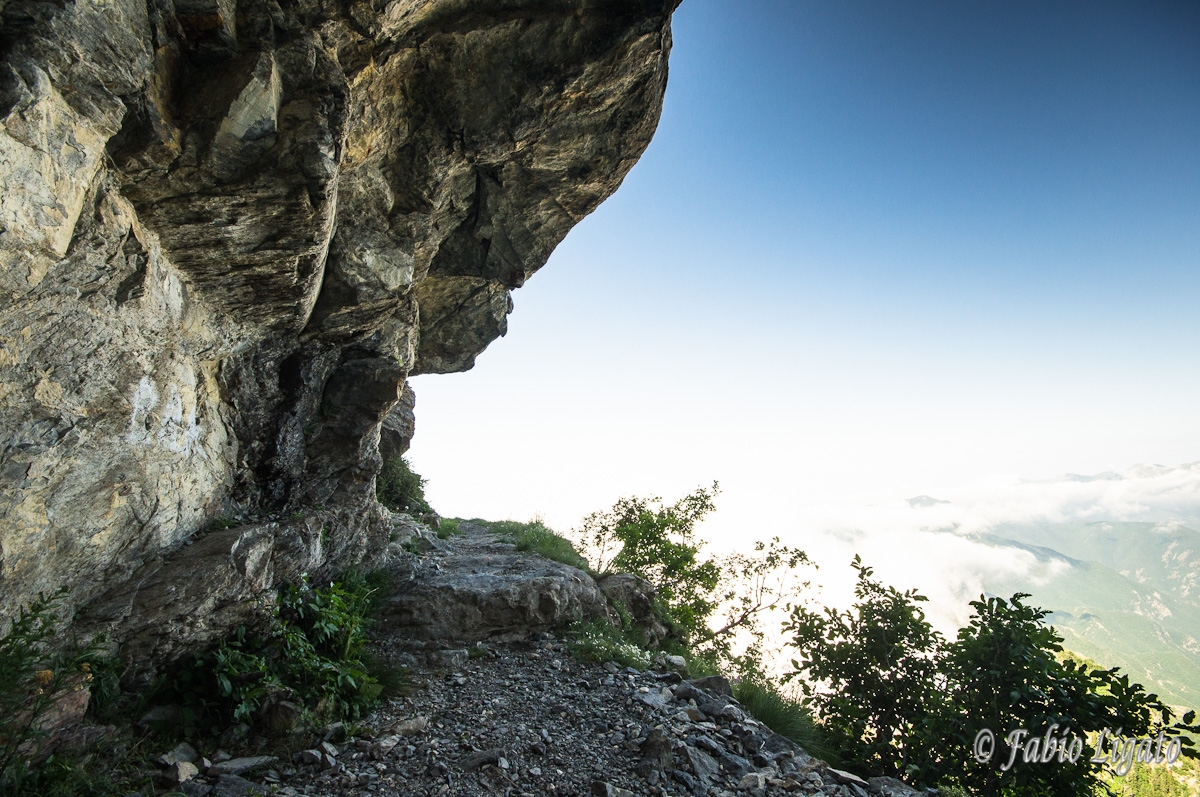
point(231, 229)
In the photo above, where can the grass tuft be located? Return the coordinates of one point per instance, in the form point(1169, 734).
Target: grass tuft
point(447, 528)
point(536, 537)
point(785, 716)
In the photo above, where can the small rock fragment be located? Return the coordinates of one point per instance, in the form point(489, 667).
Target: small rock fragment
point(602, 788)
point(411, 726)
point(239, 766)
point(473, 761)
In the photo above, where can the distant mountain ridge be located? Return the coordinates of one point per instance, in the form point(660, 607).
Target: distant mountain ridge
point(1126, 594)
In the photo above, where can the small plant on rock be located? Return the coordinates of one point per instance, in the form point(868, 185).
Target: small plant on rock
point(35, 681)
point(312, 653)
point(400, 489)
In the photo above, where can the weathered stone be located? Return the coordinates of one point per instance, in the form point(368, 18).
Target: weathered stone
point(703, 765)
point(398, 427)
point(601, 788)
point(181, 771)
point(635, 597)
point(890, 787)
point(485, 589)
point(752, 780)
point(716, 684)
point(234, 786)
point(182, 752)
point(473, 761)
point(412, 726)
point(229, 233)
point(734, 764)
point(848, 778)
point(240, 766)
point(657, 755)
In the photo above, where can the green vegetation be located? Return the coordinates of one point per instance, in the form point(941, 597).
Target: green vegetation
point(35, 679)
point(400, 489)
point(312, 656)
point(879, 661)
point(1122, 593)
point(536, 537)
point(1158, 780)
point(785, 715)
point(597, 641)
point(898, 699)
point(447, 528)
point(714, 605)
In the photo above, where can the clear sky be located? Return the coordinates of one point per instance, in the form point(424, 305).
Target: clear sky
point(875, 250)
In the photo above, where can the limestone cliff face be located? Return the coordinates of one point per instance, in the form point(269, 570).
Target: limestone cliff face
point(231, 229)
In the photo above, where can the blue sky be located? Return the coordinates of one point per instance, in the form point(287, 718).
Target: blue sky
point(875, 250)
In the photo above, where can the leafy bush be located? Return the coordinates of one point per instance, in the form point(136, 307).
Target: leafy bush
point(897, 699)
point(312, 652)
point(1006, 671)
point(400, 489)
point(597, 641)
point(538, 538)
point(447, 528)
point(879, 662)
point(36, 671)
point(657, 542)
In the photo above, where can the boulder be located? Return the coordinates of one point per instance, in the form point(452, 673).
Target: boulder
point(633, 597)
point(481, 588)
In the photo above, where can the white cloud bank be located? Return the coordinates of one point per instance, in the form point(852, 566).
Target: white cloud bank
point(932, 546)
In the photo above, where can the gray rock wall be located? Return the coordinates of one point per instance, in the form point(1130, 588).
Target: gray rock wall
point(231, 229)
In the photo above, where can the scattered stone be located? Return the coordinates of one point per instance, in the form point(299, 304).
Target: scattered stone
point(602, 788)
point(181, 771)
point(716, 684)
point(161, 718)
point(411, 726)
point(752, 780)
point(656, 754)
point(182, 752)
point(849, 778)
point(234, 786)
point(240, 766)
point(561, 730)
point(474, 761)
point(334, 732)
point(194, 788)
point(704, 765)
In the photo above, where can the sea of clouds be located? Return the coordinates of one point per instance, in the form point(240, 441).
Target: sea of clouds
point(932, 542)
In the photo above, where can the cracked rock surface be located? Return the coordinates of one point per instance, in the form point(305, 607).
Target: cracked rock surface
point(230, 231)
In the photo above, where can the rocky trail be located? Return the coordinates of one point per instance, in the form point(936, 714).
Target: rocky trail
point(520, 716)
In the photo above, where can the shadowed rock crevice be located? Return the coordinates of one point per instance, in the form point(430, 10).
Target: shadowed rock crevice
point(231, 231)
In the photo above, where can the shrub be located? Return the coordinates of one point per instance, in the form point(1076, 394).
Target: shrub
point(447, 528)
point(400, 489)
point(312, 651)
point(897, 699)
point(35, 673)
point(657, 543)
point(597, 641)
point(879, 662)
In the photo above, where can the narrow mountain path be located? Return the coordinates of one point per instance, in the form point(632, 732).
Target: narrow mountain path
point(520, 717)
